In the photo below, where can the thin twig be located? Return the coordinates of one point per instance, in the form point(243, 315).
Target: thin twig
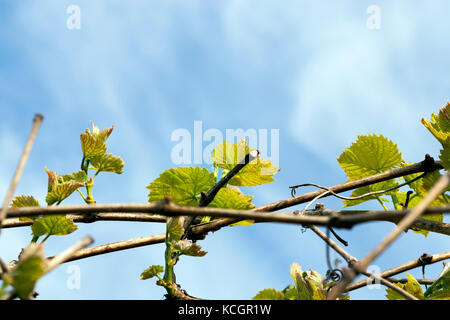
point(390, 285)
point(18, 173)
point(401, 268)
point(402, 226)
point(69, 253)
point(361, 196)
point(352, 260)
point(117, 246)
point(404, 280)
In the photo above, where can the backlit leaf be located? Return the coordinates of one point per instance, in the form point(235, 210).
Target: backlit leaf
point(189, 248)
point(440, 289)
point(232, 198)
point(257, 172)
point(108, 163)
point(53, 225)
point(183, 184)
point(151, 272)
point(60, 187)
point(269, 294)
point(369, 155)
point(439, 125)
point(27, 271)
point(25, 201)
point(412, 286)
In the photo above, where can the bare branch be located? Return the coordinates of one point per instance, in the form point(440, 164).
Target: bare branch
point(401, 268)
point(117, 246)
point(392, 286)
point(23, 159)
point(68, 253)
point(140, 212)
point(402, 226)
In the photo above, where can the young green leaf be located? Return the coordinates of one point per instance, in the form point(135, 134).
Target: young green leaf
point(412, 286)
point(232, 197)
point(309, 284)
point(189, 248)
point(369, 155)
point(151, 272)
point(108, 163)
point(28, 270)
point(62, 191)
point(24, 201)
point(439, 125)
point(257, 172)
point(93, 142)
point(174, 228)
point(440, 289)
point(79, 176)
point(60, 187)
point(269, 294)
point(53, 225)
point(183, 184)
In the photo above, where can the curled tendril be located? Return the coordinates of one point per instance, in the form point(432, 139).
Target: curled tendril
point(334, 275)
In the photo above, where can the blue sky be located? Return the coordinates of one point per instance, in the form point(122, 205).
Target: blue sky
point(313, 70)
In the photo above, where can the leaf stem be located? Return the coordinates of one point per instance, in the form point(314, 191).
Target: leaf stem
point(82, 195)
point(382, 204)
point(395, 201)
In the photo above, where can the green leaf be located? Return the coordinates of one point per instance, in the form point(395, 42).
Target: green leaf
point(24, 201)
point(439, 125)
point(188, 248)
point(28, 270)
point(445, 154)
point(60, 187)
point(79, 176)
point(233, 198)
point(290, 293)
point(370, 188)
point(92, 146)
point(269, 294)
point(183, 184)
point(257, 172)
point(151, 272)
point(108, 163)
point(53, 225)
point(369, 155)
point(62, 191)
point(412, 286)
point(309, 284)
point(93, 142)
point(440, 289)
point(174, 228)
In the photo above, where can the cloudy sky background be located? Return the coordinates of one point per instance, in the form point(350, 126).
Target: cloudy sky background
point(313, 70)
